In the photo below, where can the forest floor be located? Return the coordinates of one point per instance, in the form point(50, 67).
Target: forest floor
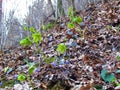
point(91, 60)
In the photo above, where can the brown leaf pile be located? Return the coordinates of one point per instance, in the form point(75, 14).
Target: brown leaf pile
point(93, 49)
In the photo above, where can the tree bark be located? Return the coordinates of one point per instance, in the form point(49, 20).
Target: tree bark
point(60, 10)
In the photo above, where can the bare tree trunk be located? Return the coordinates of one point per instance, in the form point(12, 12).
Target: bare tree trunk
point(60, 10)
point(52, 9)
point(73, 5)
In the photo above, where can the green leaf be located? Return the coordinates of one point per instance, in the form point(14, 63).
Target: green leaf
point(61, 48)
point(44, 27)
point(70, 12)
point(118, 71)
point(26, 28)
point(21, 77)
point(70, 25)
point(118, 57)
point(49, 25)
point(37, 37)
point(49, 59)
point(32, 30)
point(77, 20)
point(108, 27)
point(118, 84)
point(108, 77)
point(31, 69)
point(26, 42)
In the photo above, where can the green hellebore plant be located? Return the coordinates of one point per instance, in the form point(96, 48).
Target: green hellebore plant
point(26, 42)
point(37, 37)
point(61, 48)
point(21, 77)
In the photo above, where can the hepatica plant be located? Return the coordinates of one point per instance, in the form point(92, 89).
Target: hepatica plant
point(35, 37)
point(73, 19)
point(26, 42)
point(106, 76)
point(21, 77)
point(61, 48)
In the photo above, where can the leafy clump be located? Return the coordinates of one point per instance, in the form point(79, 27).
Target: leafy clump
point(77, 20)
point(21, 77)
point(70, 13)
point(47, 26)
point(61, 48)
point(31, 69)
point(35, 37)
point(73, 19)
point(26, 42)
point(70, 25)
point(106, 76)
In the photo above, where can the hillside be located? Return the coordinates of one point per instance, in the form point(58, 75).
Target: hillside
point(78, 52)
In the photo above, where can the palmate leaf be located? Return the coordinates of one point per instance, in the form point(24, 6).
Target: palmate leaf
point(21, 77)
point(70, 25)
point(31, 69)
point(77, 20)
point(26, 42)
point(37, 37)
point(108, 77)
point(32, 30)
point(26, 28)
point(61, 48)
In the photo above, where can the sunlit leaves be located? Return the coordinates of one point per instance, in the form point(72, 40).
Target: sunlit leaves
point(31, 69)
point(118, 84)
point(26, 42)
point(70, 12)
point(26, 28)
point(73, 19)
point(32, 30)
point(36, 37)
point(70, 25)
point(47, 26)
point(61, 48)
point(108, 77)
point(77, 20)
point(21, 77)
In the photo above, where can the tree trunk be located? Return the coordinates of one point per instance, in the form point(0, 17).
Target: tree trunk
point(60, 10)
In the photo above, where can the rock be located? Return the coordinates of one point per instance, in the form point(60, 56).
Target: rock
point(69, 32)
point(18, 87)
point(117, 88)
point(82, 24)
point(25, 86)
